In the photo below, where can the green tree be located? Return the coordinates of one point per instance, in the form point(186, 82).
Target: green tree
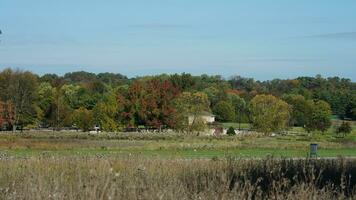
point(183, 82)
point(70, 94)
point(45, 99)
point(80, 77)
point(300, 109)
point(319, 116)
point(191, 105)
point(351, 108)
point(224, 112)
point(113, 79)
point(269, 114)
point(240, 108)
point(83, 119)
point(105, 113)
point(213, 94)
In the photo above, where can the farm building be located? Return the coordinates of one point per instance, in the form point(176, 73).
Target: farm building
point(205, 116)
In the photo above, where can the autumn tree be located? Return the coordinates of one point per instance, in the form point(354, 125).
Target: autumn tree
point(18, 88)
point(149, 103)
point(269, 114)
point(2, 120)
point(157, 105)
point(6, 115)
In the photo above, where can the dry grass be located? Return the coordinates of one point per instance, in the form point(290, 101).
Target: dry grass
point(140, 178)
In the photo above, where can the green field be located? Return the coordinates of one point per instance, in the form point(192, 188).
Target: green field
point(173, 145)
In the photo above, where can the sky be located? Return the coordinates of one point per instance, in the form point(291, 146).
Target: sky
point(262, 39)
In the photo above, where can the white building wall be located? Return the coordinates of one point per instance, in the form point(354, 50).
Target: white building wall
point(205, 118)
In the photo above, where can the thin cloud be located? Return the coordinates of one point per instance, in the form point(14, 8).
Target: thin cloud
point(340, 35)
point(159, 26)
point(283, 59)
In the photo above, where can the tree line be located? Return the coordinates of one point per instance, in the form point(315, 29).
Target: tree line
point(115, 102)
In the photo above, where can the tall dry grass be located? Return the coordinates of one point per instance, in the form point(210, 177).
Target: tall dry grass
point(139, 178)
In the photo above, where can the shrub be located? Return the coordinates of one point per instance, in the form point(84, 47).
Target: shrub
point(344, 128)
point(231, 131)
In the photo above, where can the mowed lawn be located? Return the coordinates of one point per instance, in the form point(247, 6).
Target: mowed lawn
point(173, 145)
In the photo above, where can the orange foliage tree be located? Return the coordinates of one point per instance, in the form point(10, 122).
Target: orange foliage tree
point(148, 103)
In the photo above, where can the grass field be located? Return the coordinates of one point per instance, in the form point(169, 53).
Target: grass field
point(173, 145)
point(143, 178)
point(75, 165)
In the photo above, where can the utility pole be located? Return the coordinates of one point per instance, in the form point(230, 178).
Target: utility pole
point(239, 118)
point(57, 121)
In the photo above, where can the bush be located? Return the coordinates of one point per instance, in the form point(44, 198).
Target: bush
point(344, 128)
point(231, 131)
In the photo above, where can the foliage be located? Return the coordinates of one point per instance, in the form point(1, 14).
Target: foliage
point(112, 79)
point(239, 105)
point(183, 81)
point(6, 114)
point(18, 88)
point(344, 128)
point(83, 119)
point(231, 131)
point(300, 109)
point(118, 102)
point(269, 114)
point(191, 105)
point(149, 103)
point(224, 112)
point(46, 97)
point(80, 76)
point(351, 108)
point(105, 113)
point(319, 116)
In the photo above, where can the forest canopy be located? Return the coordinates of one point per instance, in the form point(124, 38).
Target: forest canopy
point(114, 101)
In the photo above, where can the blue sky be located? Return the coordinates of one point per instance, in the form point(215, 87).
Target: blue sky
point(262, 39)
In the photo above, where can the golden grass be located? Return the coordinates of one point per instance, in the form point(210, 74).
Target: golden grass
point(139, 178)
